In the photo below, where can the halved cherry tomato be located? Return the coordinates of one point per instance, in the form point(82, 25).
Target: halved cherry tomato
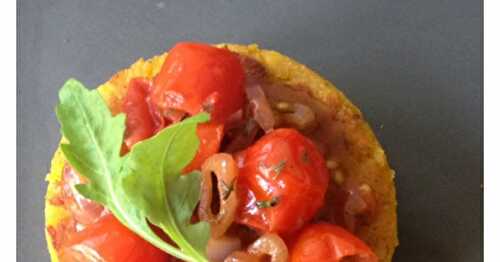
point(282, 182)
point(108, 240)
point(210, 136)
point(329, 243)
point(143, 120)
point(198, 77)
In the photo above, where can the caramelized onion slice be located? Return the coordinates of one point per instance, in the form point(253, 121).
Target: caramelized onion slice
point(241, 256)
point(84, 211)
point(225, 169)
point(220, 248)
point(359, 206)
point(260, 109)
point(243, 137)
point(269, 244)
point(298, 115)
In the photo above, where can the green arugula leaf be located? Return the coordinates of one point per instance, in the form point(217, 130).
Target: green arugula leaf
point(156, 164)
point(95, 137)
point(145, 185)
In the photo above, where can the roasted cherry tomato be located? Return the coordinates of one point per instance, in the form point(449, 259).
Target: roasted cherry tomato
point(210, 136)
point(143, 120)
point(200, 78)
point(282, 182)
point(329, 243)
point(108, 240)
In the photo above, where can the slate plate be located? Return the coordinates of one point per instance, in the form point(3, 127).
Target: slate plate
point(413, 67)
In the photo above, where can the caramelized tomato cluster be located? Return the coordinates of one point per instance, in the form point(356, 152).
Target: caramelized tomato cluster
point(282, 176)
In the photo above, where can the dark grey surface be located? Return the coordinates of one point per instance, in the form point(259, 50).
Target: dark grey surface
point(413, 67)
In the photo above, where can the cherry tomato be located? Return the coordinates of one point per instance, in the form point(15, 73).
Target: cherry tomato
point(197, 78)
point(329, 243)
point(143, 121)
point(108, 240)
point(210, 136)
point(282, 182)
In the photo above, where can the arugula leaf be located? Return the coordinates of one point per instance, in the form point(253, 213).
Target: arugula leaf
point(156, 164)
point(95, 137)
point(145, 185)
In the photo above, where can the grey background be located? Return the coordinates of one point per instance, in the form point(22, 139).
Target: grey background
point(413, 67)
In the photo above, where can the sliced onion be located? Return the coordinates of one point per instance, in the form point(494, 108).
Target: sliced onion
point(242, 137)
point(254, 71)
point(260, 108)
point(225, 169)
point(241, 256)
point(360, 204)
point(300, 116)
point(219, 248)
point(271, 245)
point(84, 211)
point(235, 120)
point(255, 78)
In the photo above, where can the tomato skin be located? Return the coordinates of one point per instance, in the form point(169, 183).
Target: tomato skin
point(111, 241)
point(285, 167)
point(143, 121)
point(210, 136)
point(198, 77)
point(329, 243)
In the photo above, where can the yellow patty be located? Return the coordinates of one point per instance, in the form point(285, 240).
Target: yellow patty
point(364, 162)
